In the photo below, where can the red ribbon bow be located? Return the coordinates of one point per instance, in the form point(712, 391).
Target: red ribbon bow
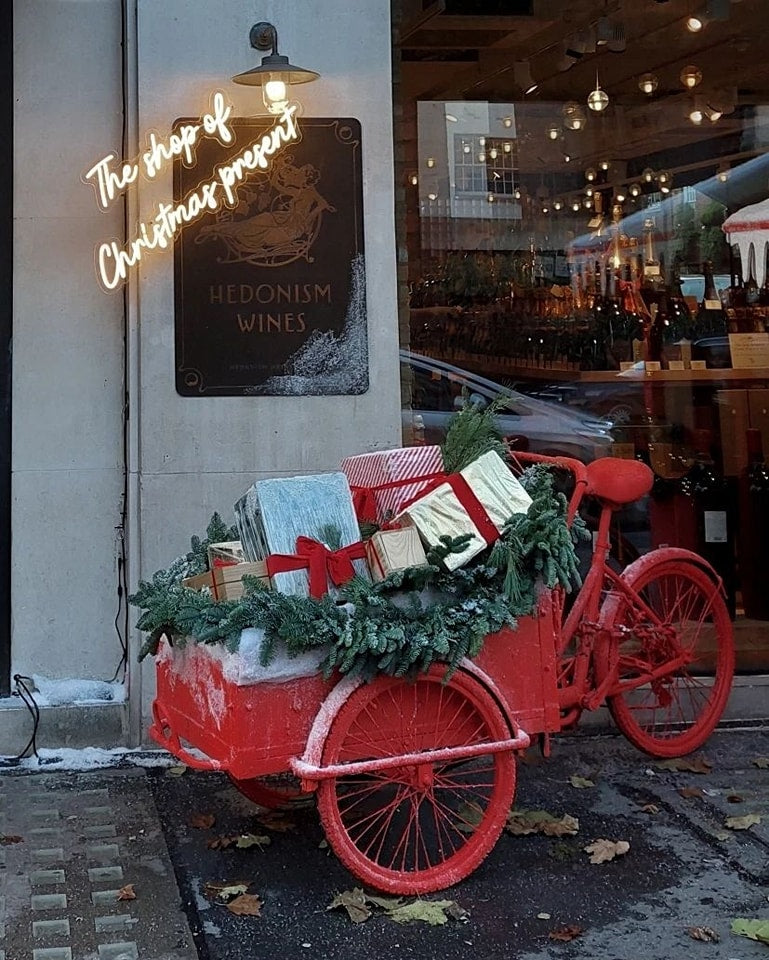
point(467, 498)
point(364, 499)
point(323, 564)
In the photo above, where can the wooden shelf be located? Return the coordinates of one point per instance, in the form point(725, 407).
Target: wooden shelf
point(502, 366)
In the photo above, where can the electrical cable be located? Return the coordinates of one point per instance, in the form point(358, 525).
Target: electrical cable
point(23, 691)
point(122, 623)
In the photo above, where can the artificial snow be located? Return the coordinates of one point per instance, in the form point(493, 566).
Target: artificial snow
point(55, 693)
point(93, 758)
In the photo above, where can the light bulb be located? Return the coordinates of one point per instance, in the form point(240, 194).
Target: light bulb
point(414, 179)
point(723, 174)
point(566, 158)
point(432, 196)
point(466, 148)
point(557, 204)
point(517, 193)
point(553, 132)
point(696, 116)
point(620, 196)
point(508, 147)
point(648, 83)
point(590, 174)
point(691, 76)
point(493, 153)
point(481, 141)
point(573, 116)
point(589, 192)
point(604, 165)
point(694, 23)
point(664, 188)
point(507, 122)
point(275, 93)
point(481, 158)
point(431, 162)
point(588, 204)
point(545, 209)
point(647, 175)
point(663, 177)
point(490, 198)
point(598, 99)
point(634, 190)
point(575, 206)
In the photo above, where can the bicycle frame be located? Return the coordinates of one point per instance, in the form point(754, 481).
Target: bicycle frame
point(583, 625)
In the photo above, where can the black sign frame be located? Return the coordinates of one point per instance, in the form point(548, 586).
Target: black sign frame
point(270, 295)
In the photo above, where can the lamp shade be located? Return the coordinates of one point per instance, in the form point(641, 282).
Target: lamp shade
point(275, 63)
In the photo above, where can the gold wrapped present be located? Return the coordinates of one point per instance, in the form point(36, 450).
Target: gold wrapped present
point(391, 550)
point(478, 500)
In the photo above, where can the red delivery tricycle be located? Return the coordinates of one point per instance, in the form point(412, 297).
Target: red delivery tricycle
point(414, 777)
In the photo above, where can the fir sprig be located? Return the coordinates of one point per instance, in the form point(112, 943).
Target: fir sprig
point(471, 432)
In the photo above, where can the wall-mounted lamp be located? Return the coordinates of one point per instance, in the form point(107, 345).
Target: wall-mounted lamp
point(275, 74)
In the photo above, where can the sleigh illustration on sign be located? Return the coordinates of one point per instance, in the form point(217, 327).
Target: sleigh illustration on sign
point(284, 214)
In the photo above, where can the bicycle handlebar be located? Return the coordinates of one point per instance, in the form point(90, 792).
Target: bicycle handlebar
point(576, 467)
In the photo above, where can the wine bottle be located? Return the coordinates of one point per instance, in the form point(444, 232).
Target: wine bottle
point(711, 321)
point(711, 499)
point(754, 530)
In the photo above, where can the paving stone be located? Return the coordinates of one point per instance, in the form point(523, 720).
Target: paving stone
point(87, 835)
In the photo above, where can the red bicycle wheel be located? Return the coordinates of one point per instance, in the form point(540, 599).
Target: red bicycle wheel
point(416, 828)
point(674, 713)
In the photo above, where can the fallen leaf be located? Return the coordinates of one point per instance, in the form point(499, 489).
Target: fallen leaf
point(523, 822)
point(706, 934)
point(225, 891)
point(277, 821)
point(650, 808)
point(384, 903)
point(734, 798)
point(126, 892)
point(562, 852)
point(566, 934)
point(8, 839)
point(580, 783)
point(457, 913)
point(743, 823)
point(246, 840)
point(220, 843)
point(433, 912)
point(202, 821)
point(246, 905)
point(471, 815)
point(688, 792)
point(762, 763)
point(323, 845)
point(601, 851)
point(354, 902)
point(684, 765)
point(753, 929)
point(176, 771)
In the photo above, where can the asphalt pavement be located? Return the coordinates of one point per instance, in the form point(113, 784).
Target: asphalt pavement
point(172, 835)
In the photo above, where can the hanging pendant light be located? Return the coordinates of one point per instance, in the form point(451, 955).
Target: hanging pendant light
point(648, 83)
point(591, 174)
point(647, 175)
point(573, 116)
point(598, 99)
point(635, 190)
point(691, 76)
point(553, 132)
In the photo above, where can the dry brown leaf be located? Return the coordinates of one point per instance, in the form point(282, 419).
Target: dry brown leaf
point(601, 851)
point(225, 891)
point(687, 765)
point(277, 821)
point(354, 902)
point(221, 843)
point(202, 821)
point(744, 822)
point(566, 934)
point(7, 839)
point(246, 840)
point(176, 771)
point(734, 798)
point(688, 792)
point(762, 763)
point(706, 934)
point(127, 892)
point(246, 905)
point(650, 808)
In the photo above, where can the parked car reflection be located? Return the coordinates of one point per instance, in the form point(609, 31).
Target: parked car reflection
point(548, 427)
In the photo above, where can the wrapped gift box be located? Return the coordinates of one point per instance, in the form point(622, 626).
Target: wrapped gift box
point(479, 500)
point(226, 582)
point(275, 512)
point(380, 480)
point(391, 550)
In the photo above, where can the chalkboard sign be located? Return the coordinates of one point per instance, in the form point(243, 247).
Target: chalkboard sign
point(270, 293)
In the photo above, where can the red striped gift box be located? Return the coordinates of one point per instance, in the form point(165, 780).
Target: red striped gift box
point(384, 480)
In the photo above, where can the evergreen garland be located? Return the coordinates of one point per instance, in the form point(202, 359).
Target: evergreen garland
point(398, 626)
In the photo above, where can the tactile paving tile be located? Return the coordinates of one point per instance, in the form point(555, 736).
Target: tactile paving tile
point(84, 837)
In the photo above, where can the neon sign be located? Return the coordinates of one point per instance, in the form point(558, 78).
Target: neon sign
point(113, 259)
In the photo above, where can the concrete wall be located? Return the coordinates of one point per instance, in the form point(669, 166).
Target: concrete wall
point(188, 457)
point(200, 454)
point(68, 342)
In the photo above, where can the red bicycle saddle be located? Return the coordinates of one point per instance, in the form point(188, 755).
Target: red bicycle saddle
point(619, 481)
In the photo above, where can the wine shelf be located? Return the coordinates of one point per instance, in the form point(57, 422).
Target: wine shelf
point(509, 367)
